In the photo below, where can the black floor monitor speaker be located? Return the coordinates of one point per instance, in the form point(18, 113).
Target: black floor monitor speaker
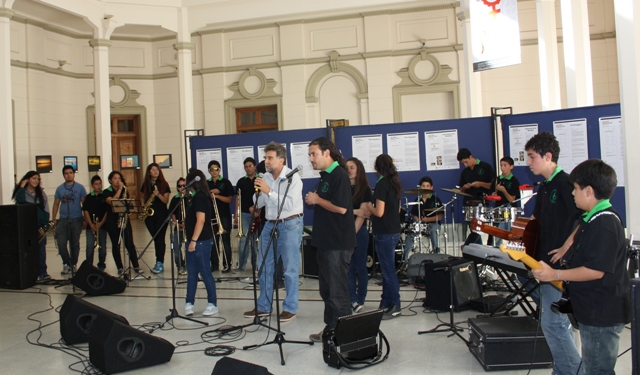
point(229, 366)
point(355, 338)
point(19, 254)
point(77, 316)
point(466, 286)
point(95, 282)
point(116, 347)
point(309, 259)
point(635, 326)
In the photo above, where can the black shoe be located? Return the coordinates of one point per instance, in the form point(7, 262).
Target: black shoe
point(392, 312)
point(227, 270)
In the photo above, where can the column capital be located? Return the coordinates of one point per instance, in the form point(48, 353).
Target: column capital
point(184, 45)
point(100, 43)
point(6, 13)
point(463, 15)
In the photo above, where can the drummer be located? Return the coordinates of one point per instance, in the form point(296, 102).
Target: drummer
point(425, 214)
point(507, 187)
point(476, 177)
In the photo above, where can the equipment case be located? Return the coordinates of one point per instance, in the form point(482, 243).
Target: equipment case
point(508, 343)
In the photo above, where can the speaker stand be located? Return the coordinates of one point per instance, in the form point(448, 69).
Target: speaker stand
point(447, 327)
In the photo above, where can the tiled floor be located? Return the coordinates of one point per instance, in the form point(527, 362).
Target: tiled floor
point(147, 303)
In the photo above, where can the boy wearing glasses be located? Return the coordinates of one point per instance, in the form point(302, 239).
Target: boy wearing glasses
point(178, 232)
point(244, 194)
point(222, 190)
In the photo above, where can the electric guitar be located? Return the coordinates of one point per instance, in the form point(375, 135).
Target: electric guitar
point(523, 230)
point(522, 256)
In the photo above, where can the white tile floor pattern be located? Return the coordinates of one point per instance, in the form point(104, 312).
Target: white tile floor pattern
point(147, 303)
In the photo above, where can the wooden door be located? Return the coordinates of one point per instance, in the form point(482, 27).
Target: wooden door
point(125, 140)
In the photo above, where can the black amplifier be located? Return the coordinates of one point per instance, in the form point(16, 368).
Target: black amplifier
point(508, 343)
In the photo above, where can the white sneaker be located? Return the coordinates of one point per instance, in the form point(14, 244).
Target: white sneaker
point(66, 270)
point(188, 309)
point(210, 310)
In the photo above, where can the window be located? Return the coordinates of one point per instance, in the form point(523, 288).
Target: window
point(255, 119)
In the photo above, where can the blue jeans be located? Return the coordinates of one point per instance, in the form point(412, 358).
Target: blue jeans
point(557, 333)
point(42, 246)
point(385, 249)
point(198, 263)
point(333, 266)
point(102, 241)
point(434, 230)
point(288, 245)
point(600, 348)
point(177, 238)
point(69, 230)
point(243, 253)
point(358, 268)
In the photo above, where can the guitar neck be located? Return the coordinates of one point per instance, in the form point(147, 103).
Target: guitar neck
point(528, 261)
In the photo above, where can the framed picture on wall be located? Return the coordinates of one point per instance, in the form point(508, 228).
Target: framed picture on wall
point(94, 163)
point(72, 161)
point(129, 162)
point(163, 160)
point(44, 164)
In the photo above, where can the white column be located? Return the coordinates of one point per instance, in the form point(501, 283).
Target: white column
point(627, 18)
point(577, 52)
point(548, 55)
point(102, 102)
point(7, 162)
point(473, 89)
point(184, 48)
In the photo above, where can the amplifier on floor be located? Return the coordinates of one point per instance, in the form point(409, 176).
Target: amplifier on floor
point(466, 286)
point(228, 366)
point(95, 282)
point(309, 260)
point(507, 343)
point(77, 316)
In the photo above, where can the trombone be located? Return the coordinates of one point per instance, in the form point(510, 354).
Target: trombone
point(239, 215)
point(222, 256)
point(183, 214)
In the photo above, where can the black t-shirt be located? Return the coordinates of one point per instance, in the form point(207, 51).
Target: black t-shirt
point(557, 213)
point(482, 172)
point(226, 190)
point(511, 184)
point(176, 201)
point(431, 202)
point(159, 208)
point(366, 198)
point(331, 230)
point(247, 190)
point(109, 192)
point(389, 223)
point(600, 245)
point(95, 205)
point(200, 202)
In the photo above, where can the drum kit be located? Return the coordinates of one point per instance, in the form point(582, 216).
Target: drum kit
point(411, 227)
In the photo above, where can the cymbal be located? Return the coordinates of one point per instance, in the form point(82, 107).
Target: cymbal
point(457, 191)
point(418, 191)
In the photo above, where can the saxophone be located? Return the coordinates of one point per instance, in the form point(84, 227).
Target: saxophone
point(42, 231)
point(146, 209)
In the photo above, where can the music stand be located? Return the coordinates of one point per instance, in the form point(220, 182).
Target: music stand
point(124, 207)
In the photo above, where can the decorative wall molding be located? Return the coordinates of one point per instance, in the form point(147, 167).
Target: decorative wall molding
point(335, 66)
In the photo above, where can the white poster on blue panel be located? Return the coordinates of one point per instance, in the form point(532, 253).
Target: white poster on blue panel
point(367, 148)
point(235, 159)
point(495, 34)
point(441, 148)
point(572, 137)
point(404, 149)
point(518, 137)
point(300, 157)
point(611, 145)
point(203, 157)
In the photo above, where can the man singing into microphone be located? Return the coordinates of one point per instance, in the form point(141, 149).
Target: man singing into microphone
point(287, 235)
point(333, 233)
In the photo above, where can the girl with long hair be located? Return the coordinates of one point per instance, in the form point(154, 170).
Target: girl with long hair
point(155, 185)
point(200, 240)
point(29, 190)
point(361, 195)
point(118, 190)
point(386, 231)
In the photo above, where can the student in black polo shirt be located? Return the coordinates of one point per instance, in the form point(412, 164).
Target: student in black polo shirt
point(157, 186)
point(596, 271)
point(177, 237)
point(94, 210)
point(476, 177)
point(507, 187)
point(244, 193)
point(334, 231)
point(223, 191)
point(429, 202)
point(386, 231)
point(557, 213)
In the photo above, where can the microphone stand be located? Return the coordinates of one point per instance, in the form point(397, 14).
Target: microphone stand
point(273, 238)
point(453, 225)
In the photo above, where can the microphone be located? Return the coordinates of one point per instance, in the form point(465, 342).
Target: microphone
point(259, 175)
point(196, 179)
point(294, 171)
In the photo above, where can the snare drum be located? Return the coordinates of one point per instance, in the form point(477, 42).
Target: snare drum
point(417, 228)
point(471, 212)
point(506, 214)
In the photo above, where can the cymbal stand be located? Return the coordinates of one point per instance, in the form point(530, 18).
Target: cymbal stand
point(453, 224)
